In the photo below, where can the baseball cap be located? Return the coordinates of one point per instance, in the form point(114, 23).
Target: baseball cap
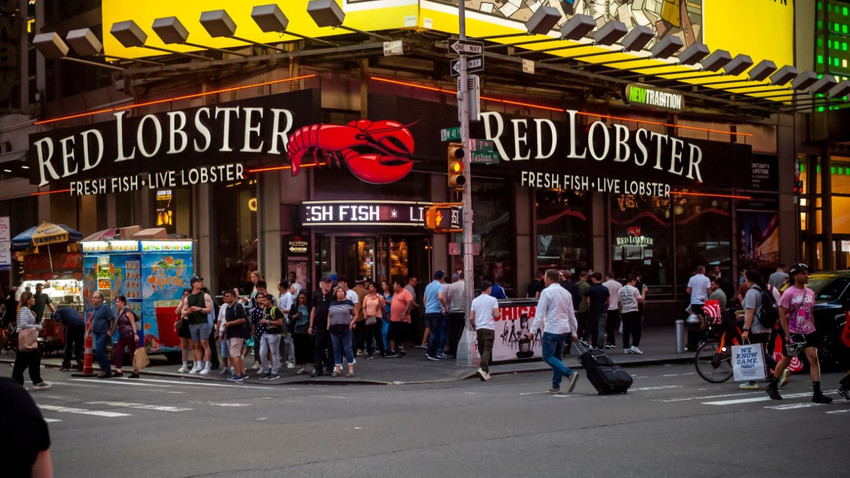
point(196, 279)
point(327, 279)
point(799, 267)
point(439, 274)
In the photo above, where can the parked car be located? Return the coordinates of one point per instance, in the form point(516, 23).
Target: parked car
point(832, 309)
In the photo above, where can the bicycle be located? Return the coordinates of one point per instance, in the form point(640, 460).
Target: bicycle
point(6, 337)
point(713, 359)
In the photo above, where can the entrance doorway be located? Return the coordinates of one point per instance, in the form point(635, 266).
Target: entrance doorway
point(379, 257)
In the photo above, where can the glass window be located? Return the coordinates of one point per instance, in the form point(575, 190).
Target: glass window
point(493, 229)
point(563, 226)
point(703, 234)
point(236, 234)
point(642, 240)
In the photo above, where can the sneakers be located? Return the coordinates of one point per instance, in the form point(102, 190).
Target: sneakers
point(844, 392)
point(786, 375)
point(627, 351)
point(572, 384)
point(610, 346)
point(636, 350)
point(183, 369)
point(748, 386)
point(821, 398)
point(301, 371)
point(196, 369)
point(265, 376)
point(290, 365)
point(442, 356)
point(41, 386)
point(484, 376)
point(421, 347)
point(314, 373)
point(272, 376)
point(205, 371)
point(256, 366)
point(349, 374)
point(134, 375)
point(554, 391)
point(64, 369)
point(433, 359)
point(391, 355)
point(224, 371)
point(335, 374)
point(237, 377)
point(104, 375)
point(772, 392)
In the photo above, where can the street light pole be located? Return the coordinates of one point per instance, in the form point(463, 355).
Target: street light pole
point(463, 109)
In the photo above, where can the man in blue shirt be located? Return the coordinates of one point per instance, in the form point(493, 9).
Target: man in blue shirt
point(435, 311)
point(75, 330)
point(102, 321)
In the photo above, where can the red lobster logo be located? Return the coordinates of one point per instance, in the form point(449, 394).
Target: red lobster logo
point(377, 152)
point(634, 231)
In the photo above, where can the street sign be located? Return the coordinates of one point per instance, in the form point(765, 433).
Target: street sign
point(467, 47)
point(454, 248)
point(450, 134)
point(473, 64)
point(483, 151)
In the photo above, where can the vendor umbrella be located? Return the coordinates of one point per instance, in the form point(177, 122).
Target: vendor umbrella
point(45, 234)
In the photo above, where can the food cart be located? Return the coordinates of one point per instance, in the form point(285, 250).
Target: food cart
point(150, 274)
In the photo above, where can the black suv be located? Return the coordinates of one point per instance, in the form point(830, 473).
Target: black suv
point(832, 299)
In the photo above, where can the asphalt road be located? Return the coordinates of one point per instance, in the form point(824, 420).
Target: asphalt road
point(670, 424)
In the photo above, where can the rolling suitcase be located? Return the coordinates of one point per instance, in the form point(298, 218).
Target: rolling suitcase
point(603, 374)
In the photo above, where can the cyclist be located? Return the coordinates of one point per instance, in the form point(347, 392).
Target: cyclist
point(798, 327)
point(753, 329)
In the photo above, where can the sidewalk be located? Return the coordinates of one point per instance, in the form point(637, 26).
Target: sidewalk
point(658, 345)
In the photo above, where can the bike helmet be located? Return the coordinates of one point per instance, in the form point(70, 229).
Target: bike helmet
point(795, 346)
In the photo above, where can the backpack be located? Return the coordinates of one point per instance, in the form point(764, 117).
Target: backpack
point(769, 315)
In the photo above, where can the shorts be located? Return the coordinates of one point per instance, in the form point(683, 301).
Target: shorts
point(234, 345)
point(183, 331)
point(812, 340)
point(223, 348)
point(200, 332)
point(398, 332)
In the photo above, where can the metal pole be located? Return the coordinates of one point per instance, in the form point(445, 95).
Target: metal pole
point(463, 107)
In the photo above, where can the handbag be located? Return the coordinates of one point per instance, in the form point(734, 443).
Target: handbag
point(28, 340)
point(371, 320)
point(181, 322)
point(140, 359)
point(748, 362)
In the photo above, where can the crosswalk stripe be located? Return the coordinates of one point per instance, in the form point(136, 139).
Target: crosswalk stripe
point(201, 384)
point(140, 406)
point(52, 420)
point(837, 412)
point(117, 382)
point(662, 387)
point(755, 399)
point(684, 399)
point(82, 411)
point(794, 406)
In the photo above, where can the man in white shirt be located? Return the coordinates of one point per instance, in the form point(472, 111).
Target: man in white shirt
point(698, 286)
point(285, 301)
point(485, 311)
point(555, 312)
point(613, 323)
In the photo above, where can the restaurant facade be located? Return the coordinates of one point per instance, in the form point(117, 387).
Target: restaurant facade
point(327, 166)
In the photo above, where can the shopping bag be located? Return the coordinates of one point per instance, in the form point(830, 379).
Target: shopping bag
point(711, 311)
point(140, 359)
point(748, 362)
point(467, 351)
point(28, 340)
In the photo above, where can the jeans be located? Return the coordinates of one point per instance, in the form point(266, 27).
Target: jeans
point(436, 333)
point(289, 347)
point(322, 350)
point(486, 337)
point(455, 331)
point(100, 342)
point(74, 337)
point(553, 349)
point(598, 322)
point(374, 332)
point(631, 329)
point(612, 325)
point(27, 360)
point(342, 345)
point(270, 341)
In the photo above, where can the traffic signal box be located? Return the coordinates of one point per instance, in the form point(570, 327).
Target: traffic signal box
point(438, 217)
point(455, 164)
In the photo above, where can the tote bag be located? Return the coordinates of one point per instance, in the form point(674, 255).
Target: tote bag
point(748, 362)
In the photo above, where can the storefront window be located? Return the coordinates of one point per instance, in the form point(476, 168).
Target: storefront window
point(703, 235)
point(563, 237)
point(493, 229)
point(235, 221)
point(642, 240)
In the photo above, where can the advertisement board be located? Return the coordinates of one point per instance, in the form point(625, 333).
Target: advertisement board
point(763, 29)
point(164, 276)
point(5, 244)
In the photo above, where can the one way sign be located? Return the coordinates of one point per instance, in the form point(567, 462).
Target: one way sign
point(473, 64)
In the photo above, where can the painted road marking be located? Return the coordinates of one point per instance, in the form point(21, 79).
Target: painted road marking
point(141, 406)
point(82, 411)
point(837, 412)
point(793, 406)
point(117, 382)
point(755, 399)
point(662, 387)
point(199, 384)
point(52, 420)
point(684, 399)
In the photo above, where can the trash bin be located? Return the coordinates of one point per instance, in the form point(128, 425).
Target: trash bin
point(681, 336)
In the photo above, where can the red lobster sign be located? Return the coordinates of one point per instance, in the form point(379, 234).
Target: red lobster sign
point(377, 152)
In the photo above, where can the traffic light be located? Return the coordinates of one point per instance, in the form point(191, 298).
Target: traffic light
point(456, 179)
